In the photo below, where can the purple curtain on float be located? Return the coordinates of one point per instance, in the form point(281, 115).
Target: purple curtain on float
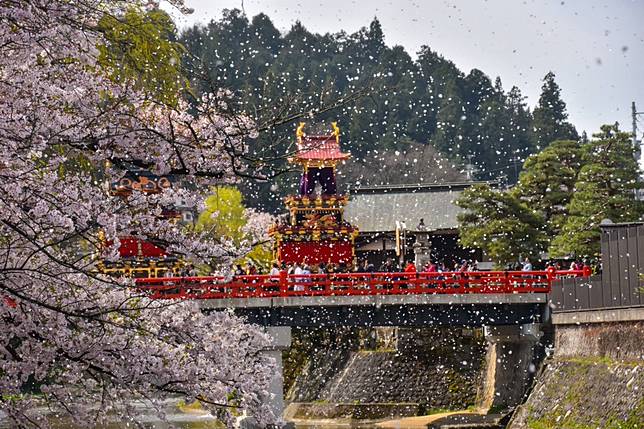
point(324, 176)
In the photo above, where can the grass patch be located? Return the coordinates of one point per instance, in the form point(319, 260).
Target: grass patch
point(191, 407)
point(600, 360)
point(550, 421)
point(431, 411)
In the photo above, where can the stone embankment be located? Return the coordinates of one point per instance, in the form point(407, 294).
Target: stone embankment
point(594, 380)
point(420, 371)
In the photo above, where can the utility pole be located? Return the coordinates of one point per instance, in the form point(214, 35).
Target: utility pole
point(637, 153)
point(636, 143)
point(634, 116)
point(514, 161)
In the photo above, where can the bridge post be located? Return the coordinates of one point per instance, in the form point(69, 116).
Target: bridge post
point(281, 340)
point(510, 364)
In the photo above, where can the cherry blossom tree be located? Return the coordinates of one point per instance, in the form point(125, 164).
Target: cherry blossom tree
point(82, 343)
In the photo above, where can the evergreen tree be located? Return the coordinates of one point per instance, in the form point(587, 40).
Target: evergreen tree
point(427, 100)
point(547, 180)
point(550, 115)
point(451, 132)
point(435, 71)
point(492, 151)
point(519, 123)
point(604, 190)
point(500, 224)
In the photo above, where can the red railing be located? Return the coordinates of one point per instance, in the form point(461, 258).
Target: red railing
point(353, 284)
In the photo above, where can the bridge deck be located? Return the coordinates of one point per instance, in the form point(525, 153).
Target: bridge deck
point(378, 300)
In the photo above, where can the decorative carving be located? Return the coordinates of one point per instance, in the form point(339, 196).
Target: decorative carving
point(299, 133)
point(336, 131)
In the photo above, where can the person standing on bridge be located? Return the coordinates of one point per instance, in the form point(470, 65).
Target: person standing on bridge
point(527, 265)
point(321, 268)
point(387, 266)
point(275, 270)
point(430, 267)
point(192, 271)
point(297, 271)
point(410, 273)
point(239, 271)
point(251, 270)
point(306, 272)
point(411, 267)
point(368, 267)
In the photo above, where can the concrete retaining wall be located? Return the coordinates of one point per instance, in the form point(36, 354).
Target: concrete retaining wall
point(621, 341)
point(322, 411)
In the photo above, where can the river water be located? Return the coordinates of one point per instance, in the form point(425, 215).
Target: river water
point(175, 418)
point(145, 414)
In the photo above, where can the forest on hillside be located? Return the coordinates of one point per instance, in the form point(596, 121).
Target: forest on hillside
point(394, 110)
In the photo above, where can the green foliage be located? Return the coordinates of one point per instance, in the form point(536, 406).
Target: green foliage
point(547, 181)
point(142, 48)
point(224, 214)
point(563, 193)
point(550, 115)
point(555, 421)
point(500, 224)
point(604, 190)
point(427, 100)
point(225, 217)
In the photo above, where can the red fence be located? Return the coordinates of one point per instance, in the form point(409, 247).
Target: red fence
point(262, 286)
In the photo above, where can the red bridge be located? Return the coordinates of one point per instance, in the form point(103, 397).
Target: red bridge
point(372, 299)
point(352, 284)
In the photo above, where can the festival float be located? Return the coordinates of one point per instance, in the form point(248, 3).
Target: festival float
point(315, 231)
point(141, 258)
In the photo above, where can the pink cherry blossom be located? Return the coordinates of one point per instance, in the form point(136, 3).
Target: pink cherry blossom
point(89, 344)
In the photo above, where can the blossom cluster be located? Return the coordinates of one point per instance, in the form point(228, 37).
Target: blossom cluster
point(88, 344)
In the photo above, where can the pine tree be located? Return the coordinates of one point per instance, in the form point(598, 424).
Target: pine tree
point(547, 180)
point(604, 190)
point(550, 115)
point(520, 122)
point(500, 224)
point(450, 122)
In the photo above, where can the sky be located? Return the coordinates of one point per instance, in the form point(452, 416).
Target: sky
point(595, 47)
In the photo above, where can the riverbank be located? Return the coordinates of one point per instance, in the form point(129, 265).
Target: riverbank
point(419, 369)
point(177, 415)
point(459, 418)
point(423, 421)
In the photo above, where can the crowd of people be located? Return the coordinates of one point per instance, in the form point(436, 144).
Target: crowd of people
point(364, 266)
point(389, 266)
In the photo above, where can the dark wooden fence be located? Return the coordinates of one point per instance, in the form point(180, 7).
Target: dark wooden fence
point(621, 284)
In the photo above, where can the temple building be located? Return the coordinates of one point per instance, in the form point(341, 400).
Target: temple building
point(389, 219)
